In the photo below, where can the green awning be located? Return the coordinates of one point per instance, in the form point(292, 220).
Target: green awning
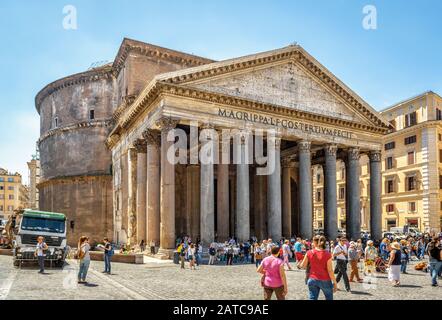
point(44, 214)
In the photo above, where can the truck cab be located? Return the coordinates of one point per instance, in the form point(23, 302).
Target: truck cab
point(28, 226)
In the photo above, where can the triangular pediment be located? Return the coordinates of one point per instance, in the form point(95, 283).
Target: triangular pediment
point(288, 78)
point(286, 85)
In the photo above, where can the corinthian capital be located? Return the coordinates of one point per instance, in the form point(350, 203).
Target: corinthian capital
point(140, 145)
point(353, 154)
point(375, 156)
point(165, 124)
point(152, 137)
point(304, 146)
point(331, 150)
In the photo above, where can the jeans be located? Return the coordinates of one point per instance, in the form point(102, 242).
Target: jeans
point(107, 263)
point(246, 258)
point(41, 263)
point(315, 286)
point(404, 266)
point(84, 267)
point(341, 270)
point(435, 269)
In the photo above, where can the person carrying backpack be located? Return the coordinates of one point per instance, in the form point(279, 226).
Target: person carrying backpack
point(108, 253)
point(182, 252)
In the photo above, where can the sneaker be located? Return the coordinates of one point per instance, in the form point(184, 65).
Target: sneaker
point(435, 285)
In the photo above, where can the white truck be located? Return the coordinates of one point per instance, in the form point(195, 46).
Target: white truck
point(24, 228)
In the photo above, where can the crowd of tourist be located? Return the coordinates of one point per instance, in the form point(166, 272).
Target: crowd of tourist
point(326, 262)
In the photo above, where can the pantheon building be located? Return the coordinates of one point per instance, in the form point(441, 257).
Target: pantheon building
point(104, 147)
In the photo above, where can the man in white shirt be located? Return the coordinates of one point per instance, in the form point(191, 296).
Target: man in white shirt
point(39, 253)
point(340, 253)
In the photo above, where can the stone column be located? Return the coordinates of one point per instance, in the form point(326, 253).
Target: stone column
point(132, 197)
point(305, 190)
point(167, 224)
point(193, 200)
point(353, 206)
point(260, 198)
point(286, 198)
point(375, 195)
point(152, 138)
point(274, 214)
point(223, 202)
point(330, 193)
point(141, 148)
point(242, 196)
point(207, 191)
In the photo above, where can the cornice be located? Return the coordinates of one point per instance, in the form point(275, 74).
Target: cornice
point(97, 74)
point(76, 126)
point(150, 50)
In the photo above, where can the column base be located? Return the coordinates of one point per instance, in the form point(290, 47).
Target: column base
point(165, 254)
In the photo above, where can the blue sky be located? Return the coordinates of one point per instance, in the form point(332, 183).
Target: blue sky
point(399, 59)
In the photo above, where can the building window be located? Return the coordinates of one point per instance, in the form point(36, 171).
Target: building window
point(440, 206)
point(2, 196)
point(318, 178)
point(412, 206)
point(440, 155)
point(2, 188)
point(56, 122)
point(438, 114)
point(389, 163)
point(10, 208)
point(411, 158)
point(390, 208)
point(92, 114)
point(410, 140)
point(320, 225)
point(410, 183)
point(11, 197)
point(410, 119)
point(10, 179)
point(1, 208)
point(390, 186)
point(440, 182)
point(341, 193)
point(390, 145)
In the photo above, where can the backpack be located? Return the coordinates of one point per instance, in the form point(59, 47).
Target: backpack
point(111, 252)
point(212, 251)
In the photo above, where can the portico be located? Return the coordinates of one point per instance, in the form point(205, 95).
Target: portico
point(314, 120)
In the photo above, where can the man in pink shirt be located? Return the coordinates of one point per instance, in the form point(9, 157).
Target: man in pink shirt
point(274, 279)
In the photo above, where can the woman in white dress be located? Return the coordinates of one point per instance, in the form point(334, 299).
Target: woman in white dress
point(394, 271)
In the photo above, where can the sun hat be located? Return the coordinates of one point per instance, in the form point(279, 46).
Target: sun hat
point(396, 245)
